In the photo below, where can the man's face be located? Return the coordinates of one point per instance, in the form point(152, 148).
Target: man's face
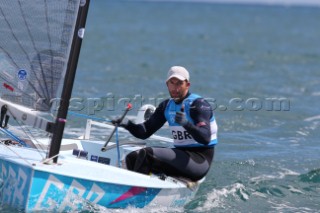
point(178, 89)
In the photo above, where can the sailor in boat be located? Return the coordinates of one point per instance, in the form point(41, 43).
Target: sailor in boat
point(194, 131)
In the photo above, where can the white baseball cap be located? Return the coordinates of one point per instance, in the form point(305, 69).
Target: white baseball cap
point(178, 72)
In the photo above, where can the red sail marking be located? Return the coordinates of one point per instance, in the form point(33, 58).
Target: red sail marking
point(7, 86)
point(130, 193)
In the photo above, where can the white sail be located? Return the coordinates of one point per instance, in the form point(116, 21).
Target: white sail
point(35, 42)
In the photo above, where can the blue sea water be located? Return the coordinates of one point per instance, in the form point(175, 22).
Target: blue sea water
point(259, 66)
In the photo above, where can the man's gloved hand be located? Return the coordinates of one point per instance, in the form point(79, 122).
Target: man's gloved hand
point(124, 123)
point(181, 118)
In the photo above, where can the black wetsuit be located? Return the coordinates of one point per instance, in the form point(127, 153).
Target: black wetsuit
point(188, 162)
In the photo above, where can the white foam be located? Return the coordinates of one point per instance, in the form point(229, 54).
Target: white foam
point(147, 209)
point(317, 117)
point(280, 175)
point(286, 207)
point(315, 94)
point(218, 197)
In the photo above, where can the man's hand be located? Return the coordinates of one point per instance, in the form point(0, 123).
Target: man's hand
point(123, 123)
point(181, 118)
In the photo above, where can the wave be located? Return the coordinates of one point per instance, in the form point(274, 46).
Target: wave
point(279, 175)
point(284, 190)
point(313, 118)
point(218, 198)
point(311, 177)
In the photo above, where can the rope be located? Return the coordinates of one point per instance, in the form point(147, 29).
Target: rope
point(10, 134)
point(25, 160)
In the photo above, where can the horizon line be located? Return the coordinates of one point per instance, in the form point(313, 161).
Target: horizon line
point(310, 3)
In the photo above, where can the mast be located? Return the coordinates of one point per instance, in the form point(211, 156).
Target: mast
point(69, 80)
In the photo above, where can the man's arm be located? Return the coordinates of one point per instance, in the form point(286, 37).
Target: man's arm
point(200, 112)
point(149, 127)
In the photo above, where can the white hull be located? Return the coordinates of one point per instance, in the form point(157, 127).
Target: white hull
point(30, 184)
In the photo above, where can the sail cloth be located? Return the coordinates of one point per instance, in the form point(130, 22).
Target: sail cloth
point(35, 41)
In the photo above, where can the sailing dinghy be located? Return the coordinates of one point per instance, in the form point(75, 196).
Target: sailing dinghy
point(40, 42)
